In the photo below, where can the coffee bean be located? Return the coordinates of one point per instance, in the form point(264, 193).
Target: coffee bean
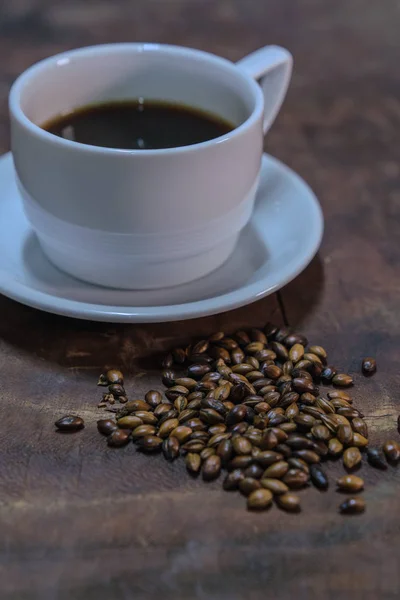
point(301, 384)
point(321, 448)
point(193, 446)
point(299, 442)
point(216, 439)
point(211, 468)
point(259, 499)
point(106, 426)
point(240, 462)
point(240, 428)
point(276, 470)
point(118, 438)
point(148, 418)
point(170, 448)
point(215, 405)
point(335, 447)
point(116, 390)
point(368, 366)
point(351, 457)
point(376, 459)
point(360, 426)
point(197, 371)
point(352, 506)
point(392, 451)
point(289, 502)
point(295, 338)
point(299, 463)
point(321, 432)
point(204, 454)
point(70, 423)
point(142, 431)
point(345, 434)
point(193, 462)
point(241, 445)
point(289, 427)
point(197, 435)
point(328, 373)
point(276, 486)
point(211, 416)
point(284, 450)
point(291, 412)
point(269, 440)
point(359, 440)
point(114, 376)
point(255, 471)
point(254, 436)
point(295, 479)
point(319, 477)
point(162, 409)
point(342, 380)
point(326, 405)
point(280, 351)
point(248, 485)
point(232, 480)
point(153, 398)
point(150, 443)
point(350, 483)
point(309, 456)
point(339, 394)
point(129, 422)
point(296, 352)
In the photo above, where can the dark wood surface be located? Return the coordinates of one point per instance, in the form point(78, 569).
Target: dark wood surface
point(81, 521)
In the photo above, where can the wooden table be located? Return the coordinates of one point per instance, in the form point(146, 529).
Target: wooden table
point(81, 521)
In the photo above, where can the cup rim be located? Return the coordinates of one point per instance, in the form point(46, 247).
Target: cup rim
point(29, 74)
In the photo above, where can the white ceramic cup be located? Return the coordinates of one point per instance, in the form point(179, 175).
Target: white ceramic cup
point(143, 218)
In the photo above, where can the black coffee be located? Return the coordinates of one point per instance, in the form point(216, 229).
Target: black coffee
point(138, 125)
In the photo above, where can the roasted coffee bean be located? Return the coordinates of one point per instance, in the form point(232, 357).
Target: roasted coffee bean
point(304, 365)
point(242, 369)
point(272, 372)
point(236, 415)
point(248, 485)
point(345, 434)
point(276, 486)
point(326, 405)
point(134, 405)
point(351, 457)
point(261, 407)
point(106, 426)
point(181, 433)
point(335, 447)
point(198, 435)
point(211, 416)
point(376, 459)
point(265, 458)
point(359, 440)
point(221, 393)
point(287, 367)
point(238, 393)
point(240, 462)
point(187, 414)
point(310, 456)
point(193, 462)
point(162, 409)
point(284, 450)
point(212, 376)
point(259, 499)
point(70, 423)
point(320, 448)
point(269, 440)
point(295, 479)
point(240, 428)
point(289, 427)
point(220, 353)
point(150, 443)
point(142, 431)
point(118, 438)
point(295, 338)
point(280, 351)
point(237, 356)
point(342, 380)
point(170, 448)
point(153, 398)
point(339, 394)
point(129, 422)
point(272, 398)
point(319, 477)
point(289, 502)
point(359, 426)
point(195, 446)
point(298, 463)
point(232, 480)
point(368, 366)
point(289, 399)
point(329, 373)
point(277, 420)
point(352, 506)
point(392, 451)
point(304, 422)
point(296, 353)
point(276, 470)
point(255, 471)
point(350, 483)
point(211, 468)
point(242, 338)
point(197, 371)
point(216, 405)
point(186, 382)
point(219, 428)
point(299, 442)
point(241, 445)
point(349, 412)
point(176, 391)
point(216, 439)
point(260, 422)
point(147, 417)
point(301, 385)
point(216, 337)
point(321, 432)
point(254, 436)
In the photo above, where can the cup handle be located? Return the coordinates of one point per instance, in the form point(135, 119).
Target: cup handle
point(272, 68)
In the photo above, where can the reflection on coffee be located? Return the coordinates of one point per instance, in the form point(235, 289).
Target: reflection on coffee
point(138, 125)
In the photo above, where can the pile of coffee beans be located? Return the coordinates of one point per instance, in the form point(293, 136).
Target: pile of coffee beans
point(251, 405)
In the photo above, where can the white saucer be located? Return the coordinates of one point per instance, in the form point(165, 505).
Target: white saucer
point(281, 239)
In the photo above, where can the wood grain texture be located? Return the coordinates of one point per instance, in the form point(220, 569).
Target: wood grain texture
point(82, 521)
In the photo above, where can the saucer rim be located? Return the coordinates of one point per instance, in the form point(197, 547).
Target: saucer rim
point(242, 296)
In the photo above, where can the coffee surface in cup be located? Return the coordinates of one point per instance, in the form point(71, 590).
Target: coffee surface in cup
point(138, 125)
